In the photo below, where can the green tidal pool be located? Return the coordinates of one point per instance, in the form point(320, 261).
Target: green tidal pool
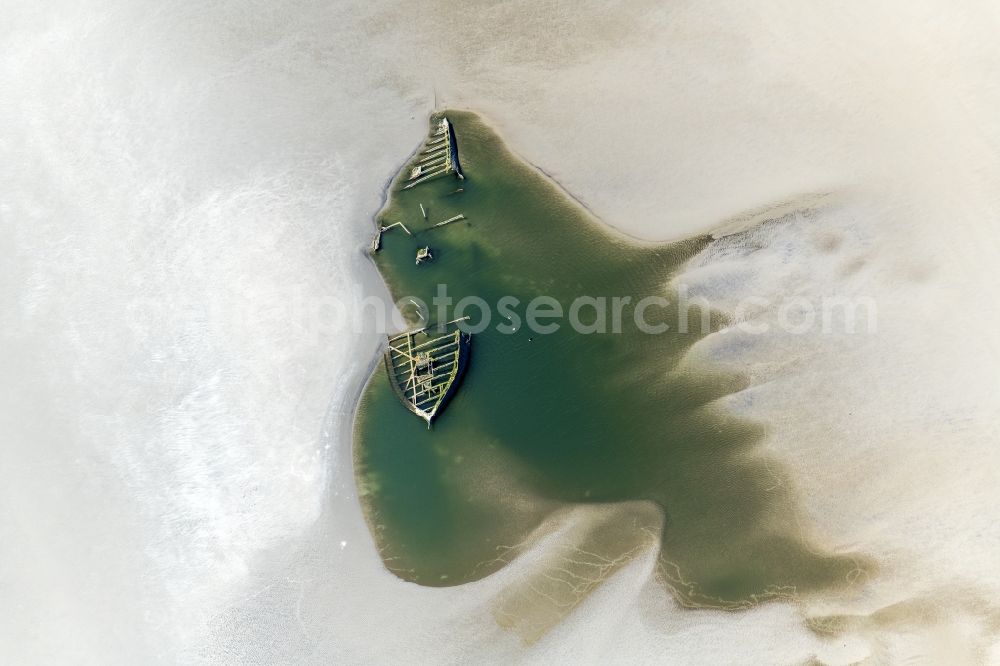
point(546, 420)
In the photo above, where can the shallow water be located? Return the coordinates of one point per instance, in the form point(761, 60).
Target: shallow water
point(546, 420)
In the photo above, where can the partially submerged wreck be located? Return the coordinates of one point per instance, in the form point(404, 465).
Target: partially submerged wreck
point(426, 365)
point(438, 157)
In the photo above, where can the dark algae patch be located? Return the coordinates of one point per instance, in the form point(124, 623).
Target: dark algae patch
point(542, 421)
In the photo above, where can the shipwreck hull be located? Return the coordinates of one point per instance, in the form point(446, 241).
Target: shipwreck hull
point(425, 369)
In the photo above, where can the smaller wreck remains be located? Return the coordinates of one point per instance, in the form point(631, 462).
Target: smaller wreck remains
point(438, 157)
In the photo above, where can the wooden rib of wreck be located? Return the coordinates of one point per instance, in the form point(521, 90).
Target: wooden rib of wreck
point(426, 365)
point(438, 157)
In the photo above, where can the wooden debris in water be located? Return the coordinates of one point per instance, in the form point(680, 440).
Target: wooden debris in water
point(377, 241)
point(423, 211)
point(458, 217)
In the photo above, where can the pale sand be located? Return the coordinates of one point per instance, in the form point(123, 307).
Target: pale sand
point(173, 488)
